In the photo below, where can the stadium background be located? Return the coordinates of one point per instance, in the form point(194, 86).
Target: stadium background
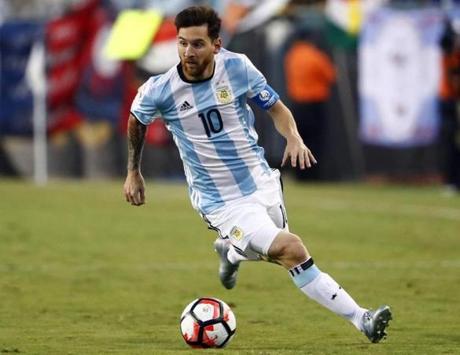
point(88, 94)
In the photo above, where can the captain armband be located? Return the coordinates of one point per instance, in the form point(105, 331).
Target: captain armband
point(266, 98)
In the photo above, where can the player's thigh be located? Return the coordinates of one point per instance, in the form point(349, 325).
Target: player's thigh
point(271, 197)
point(249, 228)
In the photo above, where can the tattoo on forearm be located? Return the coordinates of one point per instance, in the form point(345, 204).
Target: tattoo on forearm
point(136, 137)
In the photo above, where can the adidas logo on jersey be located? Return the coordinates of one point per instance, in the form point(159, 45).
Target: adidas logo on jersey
point(185, 106)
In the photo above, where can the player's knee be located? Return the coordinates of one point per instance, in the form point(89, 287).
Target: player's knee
point(295, 250)
point(289, 250)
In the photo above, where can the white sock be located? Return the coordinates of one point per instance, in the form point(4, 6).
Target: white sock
point(322, 288)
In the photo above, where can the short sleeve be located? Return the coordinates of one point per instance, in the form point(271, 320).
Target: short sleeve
point(259, 91)
point(144, 107)
point(256, 80)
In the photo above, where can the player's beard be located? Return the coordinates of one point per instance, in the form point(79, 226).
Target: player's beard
point(194, 69)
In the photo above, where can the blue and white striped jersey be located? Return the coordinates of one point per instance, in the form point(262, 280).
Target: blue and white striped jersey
point(212, 126)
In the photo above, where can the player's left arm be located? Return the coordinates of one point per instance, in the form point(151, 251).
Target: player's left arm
point(267, 99)
point(296, 150)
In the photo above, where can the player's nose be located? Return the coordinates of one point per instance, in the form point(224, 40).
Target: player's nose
point(189, 51)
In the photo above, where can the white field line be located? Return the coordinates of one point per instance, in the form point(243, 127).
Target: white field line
point(448, 213)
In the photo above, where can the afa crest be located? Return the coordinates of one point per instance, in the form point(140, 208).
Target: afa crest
point(224, 95)
point(236, 233)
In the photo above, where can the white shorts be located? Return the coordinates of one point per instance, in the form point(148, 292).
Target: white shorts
point(252, 222)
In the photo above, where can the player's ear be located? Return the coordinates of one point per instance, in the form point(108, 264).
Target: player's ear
point(217, 45)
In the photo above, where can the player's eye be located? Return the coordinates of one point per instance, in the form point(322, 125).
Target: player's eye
point(183, 43)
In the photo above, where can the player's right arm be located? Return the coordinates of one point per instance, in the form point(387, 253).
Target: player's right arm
point(134, 187)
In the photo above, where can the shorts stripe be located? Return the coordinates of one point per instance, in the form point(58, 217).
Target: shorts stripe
point(211, 227)
point(239, 251)
point(284, 216)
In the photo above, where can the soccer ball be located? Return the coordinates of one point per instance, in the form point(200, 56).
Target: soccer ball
point(207, 323)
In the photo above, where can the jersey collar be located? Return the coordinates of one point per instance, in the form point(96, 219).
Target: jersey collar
point(182, 75)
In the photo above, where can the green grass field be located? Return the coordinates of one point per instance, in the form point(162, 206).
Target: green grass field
point(83, 272)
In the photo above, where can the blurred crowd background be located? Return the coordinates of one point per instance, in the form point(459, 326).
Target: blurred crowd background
point(374, 84)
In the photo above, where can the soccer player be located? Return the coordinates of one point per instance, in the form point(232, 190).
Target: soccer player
point(203, 102)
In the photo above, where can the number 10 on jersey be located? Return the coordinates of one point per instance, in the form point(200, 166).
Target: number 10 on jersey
point(212, 121)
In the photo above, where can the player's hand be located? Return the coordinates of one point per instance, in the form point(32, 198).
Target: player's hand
point(297, 152)
point(134, 188)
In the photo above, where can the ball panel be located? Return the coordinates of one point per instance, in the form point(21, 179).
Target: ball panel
point(206, 310)
point(190, 329)
point(227, 341)
point(215, 335)
point(229, 317)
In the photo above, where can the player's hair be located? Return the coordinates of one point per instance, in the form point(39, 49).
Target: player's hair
point(198, 16)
